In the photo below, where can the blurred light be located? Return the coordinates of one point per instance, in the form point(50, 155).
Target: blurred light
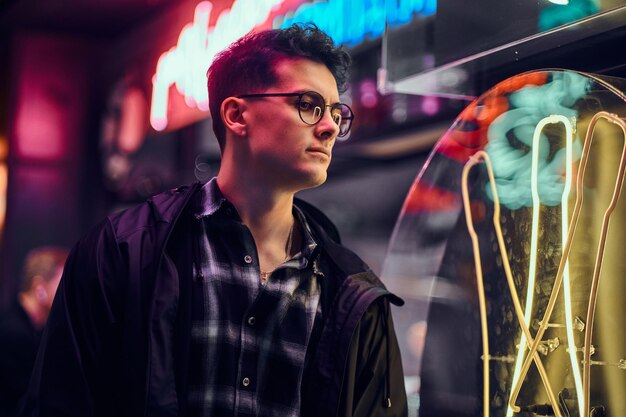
point(428, 60)
point(4, 147)
point(369, 100)
point(452, 77)
point(424, 198)
point(132, 120)
point(351, 21)
point(185, 65)
point(369, 95)
point(3, 197)
point(40, 125)
point(399, 113)
point(430, 105)
point(511, 163)
point(563, 12)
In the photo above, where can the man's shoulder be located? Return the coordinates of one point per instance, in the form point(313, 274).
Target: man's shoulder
point(163, 208)
point(137, 223)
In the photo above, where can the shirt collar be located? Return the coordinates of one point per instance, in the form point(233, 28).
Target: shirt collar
point(210, 199)
point(308, 241)
point(309, 251)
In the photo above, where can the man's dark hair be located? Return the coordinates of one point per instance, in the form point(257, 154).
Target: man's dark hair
point(248, 65)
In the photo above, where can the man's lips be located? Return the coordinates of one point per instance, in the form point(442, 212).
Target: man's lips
point(319, 150)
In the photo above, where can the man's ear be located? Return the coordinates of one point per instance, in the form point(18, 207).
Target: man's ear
point(231, 111)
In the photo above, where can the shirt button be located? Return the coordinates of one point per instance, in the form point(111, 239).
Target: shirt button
point(252, 321)
point(247, 259)
point(246, 381)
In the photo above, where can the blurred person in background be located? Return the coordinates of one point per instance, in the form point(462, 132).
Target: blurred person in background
point(232, 297)
point(21, 324)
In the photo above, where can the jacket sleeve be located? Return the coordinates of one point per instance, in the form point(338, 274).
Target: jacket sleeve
point(373, 384)
point(68, 375)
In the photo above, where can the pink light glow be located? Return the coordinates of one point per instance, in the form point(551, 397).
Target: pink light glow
point(37, 127)
point(48, 123)
point(3, 196)
point(132, 129)
point(369, 95)
point(430, 105)
point(185, 65)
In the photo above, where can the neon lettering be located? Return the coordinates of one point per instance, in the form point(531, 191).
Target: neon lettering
point(185, 65)
point(351, 21)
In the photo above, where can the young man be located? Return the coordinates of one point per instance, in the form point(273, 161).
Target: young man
point(232, 298)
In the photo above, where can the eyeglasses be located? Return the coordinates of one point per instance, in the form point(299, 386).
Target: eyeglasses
point(311, 107)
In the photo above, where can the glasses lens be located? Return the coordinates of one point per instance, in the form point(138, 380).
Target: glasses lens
point(343, 117)
point(311, 107)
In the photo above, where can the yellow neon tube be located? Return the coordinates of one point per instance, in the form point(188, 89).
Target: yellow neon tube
point(474, 159)
point(566, 250)
point(509, 276)
point(599, 257)
point(518, 375)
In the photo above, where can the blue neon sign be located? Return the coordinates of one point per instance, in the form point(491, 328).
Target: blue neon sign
point(351, 21)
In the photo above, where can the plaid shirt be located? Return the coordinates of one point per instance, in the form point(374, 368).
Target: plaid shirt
point(248, 340)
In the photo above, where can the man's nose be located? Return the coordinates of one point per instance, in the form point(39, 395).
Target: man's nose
point(326, 127)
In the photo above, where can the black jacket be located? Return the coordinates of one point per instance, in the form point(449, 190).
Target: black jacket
point(117, 338)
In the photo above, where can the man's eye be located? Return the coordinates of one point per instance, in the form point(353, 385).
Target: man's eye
point(306, 106)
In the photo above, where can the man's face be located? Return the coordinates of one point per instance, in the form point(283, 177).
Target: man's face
point(285, 152)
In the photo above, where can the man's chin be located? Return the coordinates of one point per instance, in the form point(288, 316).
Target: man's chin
point(314, 181)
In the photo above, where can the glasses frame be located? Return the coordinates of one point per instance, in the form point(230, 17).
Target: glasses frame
point(300, 95)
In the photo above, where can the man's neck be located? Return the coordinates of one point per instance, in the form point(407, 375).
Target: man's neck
point(266, 211)
point(259, 205)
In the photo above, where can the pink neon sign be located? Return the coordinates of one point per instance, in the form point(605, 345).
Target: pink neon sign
point(185, 65)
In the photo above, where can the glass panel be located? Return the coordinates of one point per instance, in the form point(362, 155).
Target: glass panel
point(440, 54)
point(552, 138)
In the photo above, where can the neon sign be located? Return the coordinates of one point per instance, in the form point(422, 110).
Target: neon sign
point(186, 64)
point(486, 357)
point(351, 21)
point(569, 135)
point(562, 275)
